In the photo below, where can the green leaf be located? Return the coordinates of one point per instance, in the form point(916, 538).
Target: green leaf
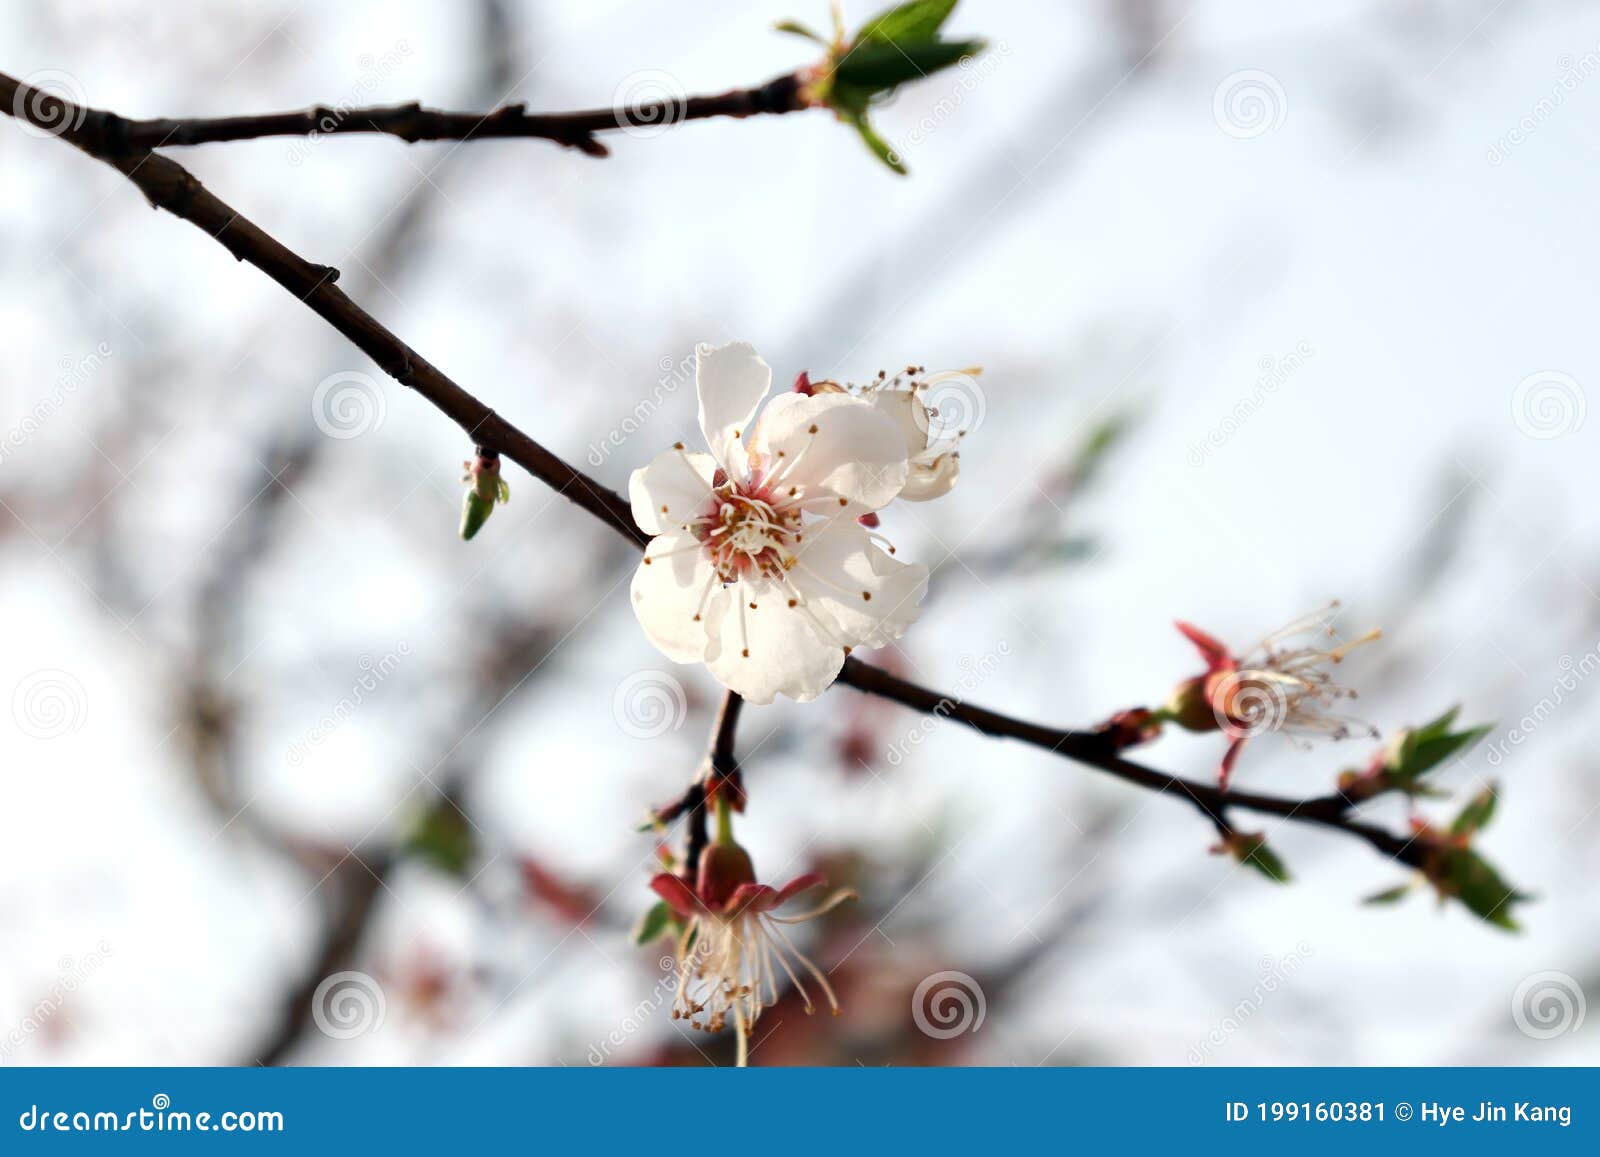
point(1264, 860)
point(1471, 879)
point(656, 922)
point(1067, 549)
point(882, 67)
point(1476, 815)
point(475, 511)
point(880, 147)
point(1419, 750)
point(443, 836)
point(1439, 726)
point(915, 20)
point(1430, 752)
point(849, 100)
point(1092, 453)
point(795, 28)
point(1389, 895)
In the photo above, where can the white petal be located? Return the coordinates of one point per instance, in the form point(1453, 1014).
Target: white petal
point(869, 596)
point(772, 413)
point(673, 489)
point(906, 411)
point(776, 650)
point(932, 476)
point(667, 591)
point(838, 444)
point(731, 380)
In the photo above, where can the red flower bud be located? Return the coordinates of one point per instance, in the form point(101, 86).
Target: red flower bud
point(723, 868)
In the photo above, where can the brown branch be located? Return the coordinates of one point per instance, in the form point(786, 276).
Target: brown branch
point(357, 884)
point(169, 186)
point(1096, 749)
point(724, 764)
point(108, 133)
point(720, 772)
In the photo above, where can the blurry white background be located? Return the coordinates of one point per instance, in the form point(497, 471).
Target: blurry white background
point(1322, 276)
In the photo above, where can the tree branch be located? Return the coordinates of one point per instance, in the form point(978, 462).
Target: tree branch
point(1097, 749)
point(109, 133)
point(724, 735)
point(169, 186)
point(720, 772)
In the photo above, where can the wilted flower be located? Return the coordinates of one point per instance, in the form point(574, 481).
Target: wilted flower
point(931, 453)
point(1279, 685)
point(733, 946)
point(759, 567)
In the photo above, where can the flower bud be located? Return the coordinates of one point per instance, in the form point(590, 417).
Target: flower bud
point(723, 867)
point(1190, 705)
point(486, 489)
point(1358, 785)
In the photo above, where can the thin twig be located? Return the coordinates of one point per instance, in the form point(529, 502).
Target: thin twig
point(110, 133)
point(1096, 749)
point(169, 186)
point(724, 763)
point(719, 773)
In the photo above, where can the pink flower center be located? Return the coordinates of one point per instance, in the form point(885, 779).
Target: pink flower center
point(748, 530)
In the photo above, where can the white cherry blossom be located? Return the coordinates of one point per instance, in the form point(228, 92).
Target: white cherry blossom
point(759, 567)
point(932, 458)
